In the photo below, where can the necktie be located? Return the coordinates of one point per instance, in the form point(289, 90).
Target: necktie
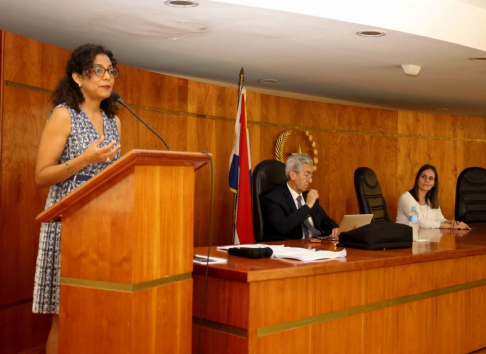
point(307, 227)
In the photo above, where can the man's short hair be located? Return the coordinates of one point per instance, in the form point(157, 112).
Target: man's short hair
point(295, 163)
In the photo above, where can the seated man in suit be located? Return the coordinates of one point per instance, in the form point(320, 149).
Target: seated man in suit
point(292, 212)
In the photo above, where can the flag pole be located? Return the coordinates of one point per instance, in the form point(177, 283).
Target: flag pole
point(241, 82)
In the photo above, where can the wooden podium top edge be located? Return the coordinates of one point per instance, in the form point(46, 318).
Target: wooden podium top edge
point(126, 162)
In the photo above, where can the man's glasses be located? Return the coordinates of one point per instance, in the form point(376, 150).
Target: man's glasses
point(100, 71)
point(306, 175)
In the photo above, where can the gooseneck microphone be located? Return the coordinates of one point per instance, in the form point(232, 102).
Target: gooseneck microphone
point(116, 97)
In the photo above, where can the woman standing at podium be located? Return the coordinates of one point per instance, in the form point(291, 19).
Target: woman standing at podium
point(80, 139)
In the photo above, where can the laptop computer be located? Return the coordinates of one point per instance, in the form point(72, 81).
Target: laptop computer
point(351, 222)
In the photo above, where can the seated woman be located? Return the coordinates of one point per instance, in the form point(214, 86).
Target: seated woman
point(425, 197)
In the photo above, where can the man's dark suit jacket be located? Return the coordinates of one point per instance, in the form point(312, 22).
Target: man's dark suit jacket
point(283, 219)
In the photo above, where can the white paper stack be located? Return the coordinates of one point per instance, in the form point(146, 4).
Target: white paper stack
point(203, 259)
point(301, 254)
point(307, 255)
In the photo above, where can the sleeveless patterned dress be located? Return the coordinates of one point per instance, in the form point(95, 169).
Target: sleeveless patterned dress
point(47, 273)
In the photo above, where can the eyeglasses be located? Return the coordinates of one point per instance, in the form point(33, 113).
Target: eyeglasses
point(100, 71)
point(306, 175)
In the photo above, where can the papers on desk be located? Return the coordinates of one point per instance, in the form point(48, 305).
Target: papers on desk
point(300, 254)
point(307, 255)
point(203, 259)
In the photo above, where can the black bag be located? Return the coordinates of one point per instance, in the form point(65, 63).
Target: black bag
point(378, 236)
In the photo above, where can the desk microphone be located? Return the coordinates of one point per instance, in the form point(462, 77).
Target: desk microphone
point(249, 252)
point(116, 97)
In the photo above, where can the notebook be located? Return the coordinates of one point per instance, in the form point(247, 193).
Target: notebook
point(351, 222)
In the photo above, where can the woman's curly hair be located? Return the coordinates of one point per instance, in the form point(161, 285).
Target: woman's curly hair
point(81, 62)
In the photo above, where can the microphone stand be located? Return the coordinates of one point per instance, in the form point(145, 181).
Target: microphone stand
point(120, 101)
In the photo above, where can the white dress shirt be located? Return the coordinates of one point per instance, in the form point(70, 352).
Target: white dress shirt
point(295, 195)
point(428, 218)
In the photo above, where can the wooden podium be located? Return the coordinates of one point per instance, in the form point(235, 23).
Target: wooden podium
point(126, 256)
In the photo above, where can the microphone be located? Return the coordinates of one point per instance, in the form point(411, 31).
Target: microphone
point(249, 252)
point(267, 252)
point(116, 97)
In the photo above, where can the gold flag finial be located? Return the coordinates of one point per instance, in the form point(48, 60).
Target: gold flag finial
point(241, 82)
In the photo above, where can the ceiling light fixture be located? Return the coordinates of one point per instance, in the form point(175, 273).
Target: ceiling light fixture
point(181, 3)
point(478, 59)
point(371, 33)
point(411, 69)
point(268, 81)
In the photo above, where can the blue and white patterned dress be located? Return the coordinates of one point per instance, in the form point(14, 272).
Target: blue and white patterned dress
point(47, 273)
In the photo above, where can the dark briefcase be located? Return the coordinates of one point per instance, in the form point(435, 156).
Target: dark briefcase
point(378, 236)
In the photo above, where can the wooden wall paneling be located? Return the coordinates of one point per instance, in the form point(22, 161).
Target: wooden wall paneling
point(415, 123)
point(20, 329)
point(449, 158)
point(207, 142)
point(266, 145)
point(33, 63)
point(211, 139)
point(441, 126)
point(135, 135)
point(253, 107)
point(148, 89)
point(211, 100)
point(348, 152)
point(275, 110)
point(474, 155)
point(2, 41)
point(359, 119)
point(23, 119)
point(161, 101)
point(24, 115)
point(315, 114)
point(216, 109)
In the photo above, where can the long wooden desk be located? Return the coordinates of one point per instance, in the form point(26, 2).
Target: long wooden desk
point(430, 298)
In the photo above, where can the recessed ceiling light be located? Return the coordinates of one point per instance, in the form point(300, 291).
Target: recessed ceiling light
point(411, 69)
point(268, 81)
point(442, 109)
point(478, 59)
point(181, 3)
point(371, 33)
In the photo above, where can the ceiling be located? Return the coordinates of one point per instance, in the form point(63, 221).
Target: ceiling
point(310, 47)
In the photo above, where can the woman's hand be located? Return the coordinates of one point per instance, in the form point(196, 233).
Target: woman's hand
point(94, 154)
point(459, 225)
